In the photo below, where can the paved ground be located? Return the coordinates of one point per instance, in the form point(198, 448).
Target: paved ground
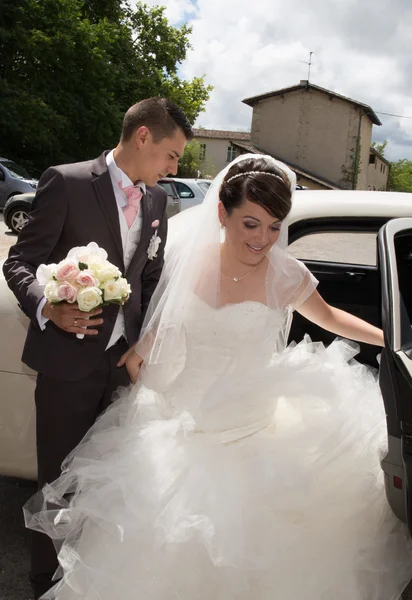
point(14, 540)
point(7, 238)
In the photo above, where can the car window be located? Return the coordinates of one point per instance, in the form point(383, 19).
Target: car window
point(355, 248)
point(168, 187)
point(204, 186)
point(183, 190)
point(16, 170)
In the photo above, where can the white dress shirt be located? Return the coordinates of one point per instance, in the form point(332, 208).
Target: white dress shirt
point(130, 239)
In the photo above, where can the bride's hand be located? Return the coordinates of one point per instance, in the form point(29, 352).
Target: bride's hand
point(133, 363)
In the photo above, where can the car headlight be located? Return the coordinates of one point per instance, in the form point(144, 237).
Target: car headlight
point(33, 185)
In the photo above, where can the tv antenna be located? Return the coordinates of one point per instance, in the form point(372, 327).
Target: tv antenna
point(308, 63)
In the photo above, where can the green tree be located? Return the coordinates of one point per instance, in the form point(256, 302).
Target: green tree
point(69, 69)
point(189, 164)
point(380, 147)
point(400, 176)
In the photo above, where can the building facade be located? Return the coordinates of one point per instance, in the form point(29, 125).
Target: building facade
point(217, 150)
point(323, 132)
point(378, 172)
point(323, 136)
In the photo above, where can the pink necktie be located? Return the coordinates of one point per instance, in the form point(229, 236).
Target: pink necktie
point(134, 195)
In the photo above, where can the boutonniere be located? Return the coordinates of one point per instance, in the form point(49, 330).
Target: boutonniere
point(153, 246)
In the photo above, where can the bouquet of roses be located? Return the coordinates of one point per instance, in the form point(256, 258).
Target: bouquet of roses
point(85, 276)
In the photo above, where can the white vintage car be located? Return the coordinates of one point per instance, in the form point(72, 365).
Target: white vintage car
point(336, 234)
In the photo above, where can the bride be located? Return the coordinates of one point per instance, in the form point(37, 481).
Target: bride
point(236, 467)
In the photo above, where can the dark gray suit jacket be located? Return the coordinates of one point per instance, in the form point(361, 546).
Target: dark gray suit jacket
point(74, 205)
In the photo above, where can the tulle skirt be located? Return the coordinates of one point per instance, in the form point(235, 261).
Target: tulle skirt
point(163, 499)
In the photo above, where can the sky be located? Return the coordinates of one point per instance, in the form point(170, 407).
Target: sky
point(362, 49)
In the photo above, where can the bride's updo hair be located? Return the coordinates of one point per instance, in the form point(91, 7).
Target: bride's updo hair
point(260, 181)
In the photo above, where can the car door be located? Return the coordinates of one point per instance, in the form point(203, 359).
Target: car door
point(4, 188)
point(186, 195)
point(190, 194)
point(395, 260)
point(341, 253)
point(173, 200)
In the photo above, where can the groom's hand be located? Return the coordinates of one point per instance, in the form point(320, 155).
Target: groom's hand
point(69, 318)
point(133, 363)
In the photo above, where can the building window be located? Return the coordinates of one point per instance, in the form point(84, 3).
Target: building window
point(202, 152)
point(372, 159)
point(384, 169)
point(231, 153)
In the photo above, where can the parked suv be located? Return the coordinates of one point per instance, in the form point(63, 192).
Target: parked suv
point(14, 179)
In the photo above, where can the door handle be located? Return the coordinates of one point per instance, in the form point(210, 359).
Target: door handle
point(355, 275)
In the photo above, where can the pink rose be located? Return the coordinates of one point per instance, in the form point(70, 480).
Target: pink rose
point(67, 271)
point(87, 279)
point(67, 292)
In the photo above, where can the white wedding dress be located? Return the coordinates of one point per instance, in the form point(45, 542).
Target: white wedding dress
point(250, 472)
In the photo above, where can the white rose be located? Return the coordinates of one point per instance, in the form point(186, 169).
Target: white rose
point(125, 288)
point(108, 272)
point(113, 290)
point(103, 270)
point(51, 291)
point(45, 273)
point(89, 298)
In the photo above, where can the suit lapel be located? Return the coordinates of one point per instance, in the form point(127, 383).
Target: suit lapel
point(102, 184)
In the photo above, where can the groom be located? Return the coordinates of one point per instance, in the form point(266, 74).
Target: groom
point(114, 201)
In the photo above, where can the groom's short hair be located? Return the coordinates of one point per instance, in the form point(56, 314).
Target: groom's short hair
point(161, 116)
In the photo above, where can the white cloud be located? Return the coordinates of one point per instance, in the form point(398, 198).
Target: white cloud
point(176, 10)
point(244, 47)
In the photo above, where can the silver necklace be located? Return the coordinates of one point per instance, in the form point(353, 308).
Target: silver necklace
point(236, 279)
